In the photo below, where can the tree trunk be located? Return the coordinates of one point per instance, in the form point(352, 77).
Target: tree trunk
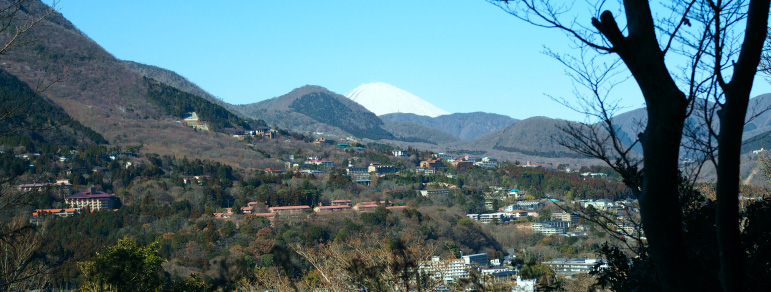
point(659, 203)
point(666, 107)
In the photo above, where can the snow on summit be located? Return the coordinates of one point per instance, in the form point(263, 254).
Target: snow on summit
point(383, 98)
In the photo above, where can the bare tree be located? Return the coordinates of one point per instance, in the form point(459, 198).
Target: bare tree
point(721, 42)
point(21, 267)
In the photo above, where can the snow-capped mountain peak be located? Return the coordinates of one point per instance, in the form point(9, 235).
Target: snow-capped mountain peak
point(383, 98)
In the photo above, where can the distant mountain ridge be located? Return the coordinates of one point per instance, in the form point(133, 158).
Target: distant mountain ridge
point(316, 109)
point(536, 136)
point(465, 126)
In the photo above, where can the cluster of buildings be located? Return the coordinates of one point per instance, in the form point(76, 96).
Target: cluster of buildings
point(326, 207)
point(61, 188)
point(259, 132)
point(90, 199)
point(452, 270)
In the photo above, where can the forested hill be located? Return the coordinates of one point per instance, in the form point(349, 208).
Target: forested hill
point(465, 126)
point(177, 103)
point(316, 109)
point(100, 92)
point(32, 120)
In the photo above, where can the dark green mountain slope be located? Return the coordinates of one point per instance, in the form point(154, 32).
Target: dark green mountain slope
point(316, 109)
point(100, 92)
point(30, 120)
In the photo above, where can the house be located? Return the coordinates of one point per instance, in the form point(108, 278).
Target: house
point(479, 259)
point(357, 173)
point(224, 215)
point(425, 170)
point(289, 210)
point(594, 174)
point(329, 209)
point(399, 153)
point(427, 193)
point(292, 165)
point(378, 168)
point(462, 163)
point(444, 270)
point(514, 193)
point(518, 213)
point(40, 214)
point(191, 120)
point(247, 210)
point(262, 132)
point(528, 164)
point(601, 204)
point(491, 217)
point(340, 202)
point(574, 266)
point(486, 164)
point(432, 163)
point(546, 228)
point(564, 216)
point(365, 207)
point(274, 171)
point(443, 156)
point(93, 200)
point(530, 205)
point(323, 163)
point(62, 187)
point(321, 140)
point(472, 158)
point(200, 179)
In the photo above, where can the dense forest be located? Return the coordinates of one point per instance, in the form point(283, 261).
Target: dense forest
point(27, 115)
point(177, 103)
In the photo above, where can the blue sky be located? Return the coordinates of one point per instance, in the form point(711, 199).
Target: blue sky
point(462, 56)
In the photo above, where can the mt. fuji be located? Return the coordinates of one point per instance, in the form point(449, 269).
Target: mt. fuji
point(382, 98)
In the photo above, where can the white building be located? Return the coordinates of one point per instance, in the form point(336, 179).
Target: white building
point(574, 266)
point(445, 270)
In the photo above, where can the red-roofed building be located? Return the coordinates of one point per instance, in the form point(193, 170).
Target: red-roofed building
point(274, 171)
point(341, 202)
point(462, 163)
point(396, 207)
point(327, 209)
point(92, 199)
point(289, 210)
point(365, 207)
point(385, 203)
point(432, 163)
point(223, 215)
point(247, 210)
point(62, 186)
point(40, 214)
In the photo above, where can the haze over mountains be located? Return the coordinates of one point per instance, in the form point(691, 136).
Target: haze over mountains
point(131, 103)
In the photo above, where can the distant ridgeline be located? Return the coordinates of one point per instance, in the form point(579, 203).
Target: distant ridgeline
point(550, 154)
point(324, 108)
point(34, 120)
point(178, 103)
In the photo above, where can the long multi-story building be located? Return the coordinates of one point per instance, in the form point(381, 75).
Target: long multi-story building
point(546, 228)
point(61, 187)
point(574, 266)
point(565, 216)
point(92, 200)
point(445, 270)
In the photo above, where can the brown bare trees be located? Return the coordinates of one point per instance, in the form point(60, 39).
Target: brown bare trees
point(371, 262)
point(717, 46)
